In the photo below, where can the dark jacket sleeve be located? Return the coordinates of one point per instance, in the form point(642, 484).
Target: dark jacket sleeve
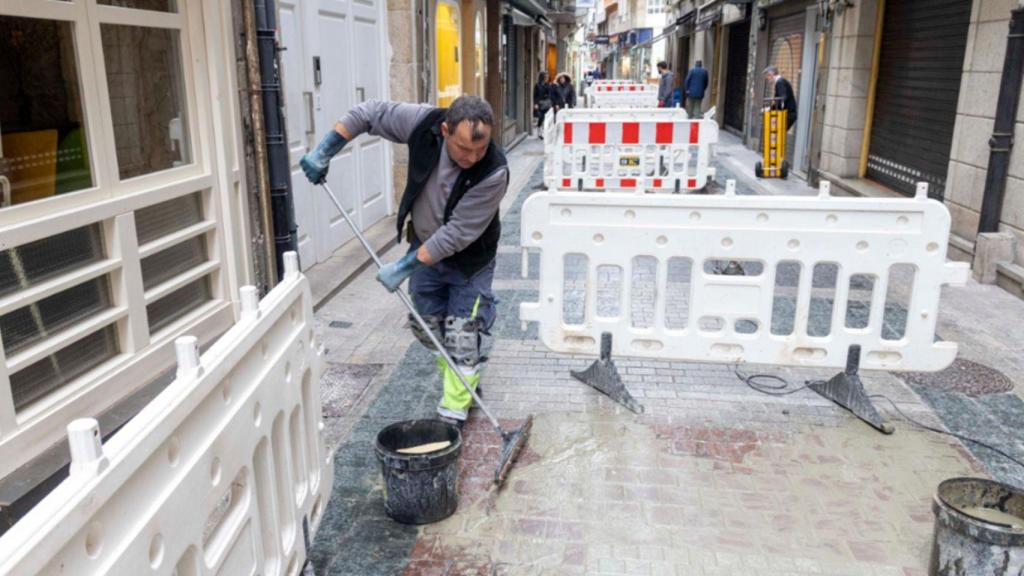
point(556, 96)
point(538, 93)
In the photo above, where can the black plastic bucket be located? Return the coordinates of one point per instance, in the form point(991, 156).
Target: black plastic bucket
point(419, 488)
point(979, 529)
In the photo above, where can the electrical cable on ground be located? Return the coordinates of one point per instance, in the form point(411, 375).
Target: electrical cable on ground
point(782, 388)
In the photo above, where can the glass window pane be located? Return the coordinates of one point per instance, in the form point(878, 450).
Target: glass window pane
point(147, 98)
point(43, 144)
point(158, 5)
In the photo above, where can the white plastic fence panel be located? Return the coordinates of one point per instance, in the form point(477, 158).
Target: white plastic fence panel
point(658, 149)
point(217, 475)
point(773, 280)
point(623, 96)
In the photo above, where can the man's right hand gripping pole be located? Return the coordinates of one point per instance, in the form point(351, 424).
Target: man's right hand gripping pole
point(316, 162)
point(392, 275)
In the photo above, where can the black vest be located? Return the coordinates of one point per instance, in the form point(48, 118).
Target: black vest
point(424, 153)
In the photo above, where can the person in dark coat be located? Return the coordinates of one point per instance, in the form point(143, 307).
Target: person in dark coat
point(694, 85)
point(566, 90)
point(783, 97)
point(545, 97)
point(665, 85)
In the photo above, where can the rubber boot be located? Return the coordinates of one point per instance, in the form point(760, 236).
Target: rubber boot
point(456, 400)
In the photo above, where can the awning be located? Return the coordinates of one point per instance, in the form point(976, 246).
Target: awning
point(532, 8)
point(529, 13)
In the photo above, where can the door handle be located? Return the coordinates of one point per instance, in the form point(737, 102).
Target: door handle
point(361, 93)
point(310, 116)
point(5, 190)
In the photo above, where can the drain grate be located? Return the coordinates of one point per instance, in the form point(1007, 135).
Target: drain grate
point(965, 377)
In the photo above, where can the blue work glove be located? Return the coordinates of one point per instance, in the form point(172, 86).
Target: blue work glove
point(317, 160)
point(392, 275)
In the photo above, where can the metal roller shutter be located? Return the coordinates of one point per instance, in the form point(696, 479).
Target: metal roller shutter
point(786, 35)
point(923, 43)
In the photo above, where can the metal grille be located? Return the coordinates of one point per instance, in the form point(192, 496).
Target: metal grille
point(56, 370)
point(178, 303)
point(923, 43)
point(37, 261)
point(34, 323)
point(168, 217)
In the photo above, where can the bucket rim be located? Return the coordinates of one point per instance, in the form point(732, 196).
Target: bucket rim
point(388, 453)
point(962, 517)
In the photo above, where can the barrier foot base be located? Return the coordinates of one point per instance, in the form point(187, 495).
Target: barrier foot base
point(847, 390)
point(603, 376)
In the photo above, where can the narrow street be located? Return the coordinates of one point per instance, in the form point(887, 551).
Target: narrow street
point(715, 478)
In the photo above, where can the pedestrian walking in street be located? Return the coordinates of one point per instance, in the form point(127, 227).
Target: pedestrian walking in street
point(665, 85)
point(694, 86)
point(783, 97)
point(566, 90)
point(544, 96)
point(457, 177)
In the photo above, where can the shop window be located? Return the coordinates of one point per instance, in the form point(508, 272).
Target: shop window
point(449, 69)
point(43, 144)
point(147, 98)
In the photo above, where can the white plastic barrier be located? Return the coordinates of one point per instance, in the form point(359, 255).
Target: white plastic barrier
point(659, 149)
point(774, 280)
point(622, 96)
point(225, 472)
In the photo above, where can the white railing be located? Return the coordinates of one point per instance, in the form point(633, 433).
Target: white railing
point(647, 149)
point(225, 472)
point(775, 280)
point(622, 95)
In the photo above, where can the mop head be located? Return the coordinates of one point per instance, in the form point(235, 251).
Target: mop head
point(511, 444)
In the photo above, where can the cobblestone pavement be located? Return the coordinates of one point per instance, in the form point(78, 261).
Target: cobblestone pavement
point(713, 479)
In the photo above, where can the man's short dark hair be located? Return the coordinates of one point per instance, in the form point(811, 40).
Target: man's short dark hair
point(663, 65)
point(472, 109)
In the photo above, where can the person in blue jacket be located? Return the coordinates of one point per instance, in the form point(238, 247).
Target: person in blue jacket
point(695, 84)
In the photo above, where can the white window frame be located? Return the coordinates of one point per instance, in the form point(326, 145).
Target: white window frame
point(214, 134)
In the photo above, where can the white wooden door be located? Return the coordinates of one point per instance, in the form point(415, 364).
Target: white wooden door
point(369, 72)
point(346, 39)
point(297, 80)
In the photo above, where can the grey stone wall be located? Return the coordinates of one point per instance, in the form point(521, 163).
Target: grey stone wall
point(849, 75)
point(979, 91)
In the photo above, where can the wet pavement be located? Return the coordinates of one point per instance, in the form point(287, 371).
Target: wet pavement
point(714, 478)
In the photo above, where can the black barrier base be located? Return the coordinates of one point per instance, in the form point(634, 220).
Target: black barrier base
point(847, 390)
point(603, 376)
